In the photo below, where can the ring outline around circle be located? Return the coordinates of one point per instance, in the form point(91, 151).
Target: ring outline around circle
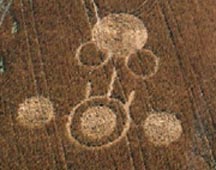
point(126, 126)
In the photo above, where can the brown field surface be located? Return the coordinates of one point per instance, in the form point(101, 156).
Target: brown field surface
point(51, 101)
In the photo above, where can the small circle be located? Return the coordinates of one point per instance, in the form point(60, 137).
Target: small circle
point(97, 122)
point(35, 112)
point(143, 64)
point(161, 129)
point(89, 55)
point(122, 34)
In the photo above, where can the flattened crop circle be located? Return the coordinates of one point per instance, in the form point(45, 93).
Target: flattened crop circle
point(161, 129)
point(121, 34)
point(97, 122)
point(35, 112)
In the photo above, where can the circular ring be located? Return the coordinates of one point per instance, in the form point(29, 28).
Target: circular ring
point(98, 101)
point(78, 53)
point(155, 70)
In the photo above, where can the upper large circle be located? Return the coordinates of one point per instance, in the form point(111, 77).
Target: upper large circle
point(121, 34)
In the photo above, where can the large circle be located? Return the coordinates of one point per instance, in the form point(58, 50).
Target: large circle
point(35, 112)
point(122, 34)
point(163, 128)
point(98, 122)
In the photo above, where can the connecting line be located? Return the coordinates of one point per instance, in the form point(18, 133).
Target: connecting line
point(96, 10)
point(130, 100)
point(6, 10)
point(111, 85)
point(88, 90)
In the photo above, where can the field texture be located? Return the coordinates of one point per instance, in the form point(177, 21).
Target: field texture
point(108, 85)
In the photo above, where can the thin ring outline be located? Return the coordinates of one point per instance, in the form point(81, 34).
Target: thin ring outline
point(156, 67)
point(77, 56)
